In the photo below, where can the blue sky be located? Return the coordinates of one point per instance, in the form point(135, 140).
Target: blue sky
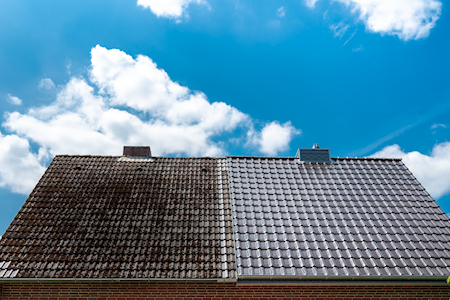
point(205, 77)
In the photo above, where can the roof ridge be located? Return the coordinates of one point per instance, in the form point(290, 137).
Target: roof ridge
point(367, 158)
point(335, 158)
point(236, 156)
point(265, 157)
point(182, 157)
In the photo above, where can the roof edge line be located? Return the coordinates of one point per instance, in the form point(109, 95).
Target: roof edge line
point(233, 156)
point(341, 282)
point(348, 279)
point(367, 158)
point(333, 157)
point(118, 280)
point(153, 156)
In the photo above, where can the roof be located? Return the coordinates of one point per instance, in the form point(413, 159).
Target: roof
point(246, 218)
point(353, 217)
point(121, 217)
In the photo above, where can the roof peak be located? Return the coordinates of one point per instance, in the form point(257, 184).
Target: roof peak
point(234, 156)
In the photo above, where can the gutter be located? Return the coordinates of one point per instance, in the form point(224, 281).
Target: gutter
point(257, 280)
point(339, 280)
point(111, 280)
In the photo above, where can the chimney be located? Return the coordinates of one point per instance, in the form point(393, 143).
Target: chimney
point(314, 155)
point(137, 151)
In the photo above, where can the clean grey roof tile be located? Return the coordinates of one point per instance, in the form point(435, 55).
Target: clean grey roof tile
point(351, 217)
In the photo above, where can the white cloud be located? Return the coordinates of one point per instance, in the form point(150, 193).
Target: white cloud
point(46, 84)
point(408, 19)
point(132, 102)
point(168, 8)
point(281, 12)
point(432, 171)
point(68, 67)
point(310, 3)
point(348, 40)
point(434, 126)
point(19, 168)
point(339, 29)
point(139, 84)
point(360, 48)
point(13, 100)
point(273, 138)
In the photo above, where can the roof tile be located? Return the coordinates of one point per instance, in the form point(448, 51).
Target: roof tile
point(351, 217)
point(98, 217)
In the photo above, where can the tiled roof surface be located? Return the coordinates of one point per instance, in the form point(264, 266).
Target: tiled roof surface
point(357, 217)
point(140, 217)
point(124, 217)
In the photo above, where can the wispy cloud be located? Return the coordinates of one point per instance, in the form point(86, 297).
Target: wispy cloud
point(281, 12)
point(384, 139)
point(68, 67)
point(13, 100)
point(360, 48)
point(434, 126)
point(46, 84)
point(339, 29)
point(348, 40)
point(436, 111)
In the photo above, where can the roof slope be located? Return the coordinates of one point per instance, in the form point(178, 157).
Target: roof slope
point(172, 218)
point(355, 217)
point(122, 217)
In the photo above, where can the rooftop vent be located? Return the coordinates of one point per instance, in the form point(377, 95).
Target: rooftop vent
point(314, 155)
point(136, 151)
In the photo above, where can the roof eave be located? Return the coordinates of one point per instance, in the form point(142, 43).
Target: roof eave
point(339, 280)
point(101, 280)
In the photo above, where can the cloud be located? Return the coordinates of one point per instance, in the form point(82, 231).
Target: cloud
point(434, 126)
point(19, 168)
point(433, 170)
point(339, 29)
point(360, 48)
point(130, 101)
point(139, 84)
point(273, 138)
point(281, 12)
point(310, 3)
point(348, 40)
point(68, 68)
point(168, 8)
point(427, 115)
point(13, 100)
point(407, 19)
point(46, 84)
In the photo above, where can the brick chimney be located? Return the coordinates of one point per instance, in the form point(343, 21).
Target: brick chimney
point(137, 151)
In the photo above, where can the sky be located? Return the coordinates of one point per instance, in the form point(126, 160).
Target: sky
point(216, 78)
